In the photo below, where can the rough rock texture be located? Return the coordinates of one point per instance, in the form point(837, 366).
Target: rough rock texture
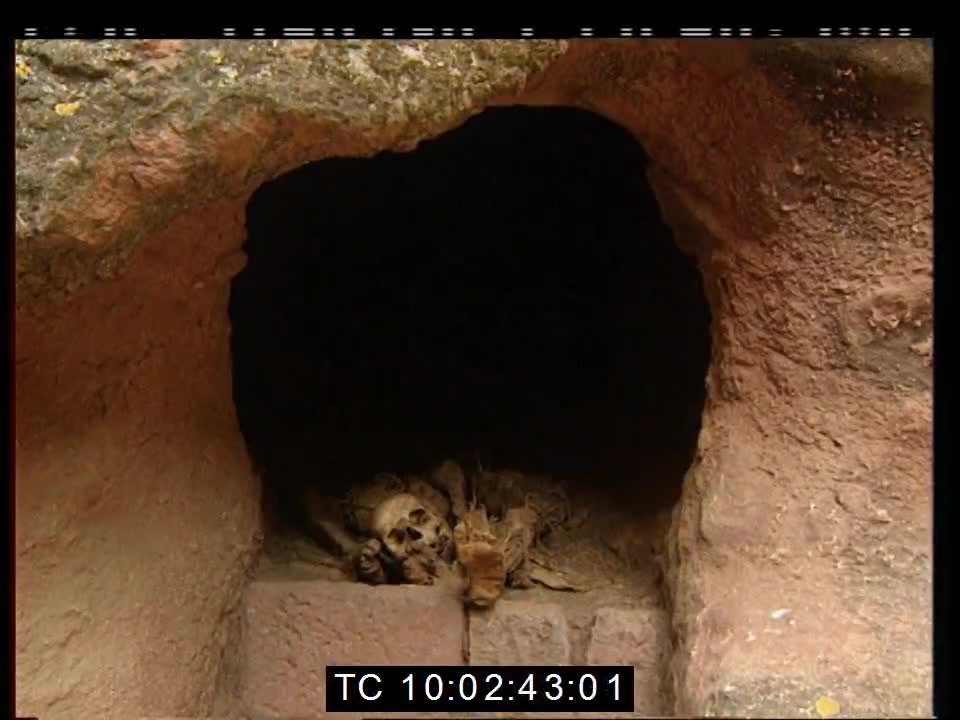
point(516, 632)
point(137, 514)
point(293, 630)
point(137, 510)
point(639, 638)
point(896, 72)
point(205, 118)
point(809, 207)
point(799, 560)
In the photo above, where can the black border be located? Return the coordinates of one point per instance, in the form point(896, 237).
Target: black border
point(342, 694)
point(944, 475)
point(331, 29)
point(10, 555)
point(943, 464)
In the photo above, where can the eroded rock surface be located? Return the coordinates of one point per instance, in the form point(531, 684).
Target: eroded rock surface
point(150, 128)
point(137, 506)
point(801, 547)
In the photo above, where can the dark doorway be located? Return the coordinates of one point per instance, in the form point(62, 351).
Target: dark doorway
point(506, 294)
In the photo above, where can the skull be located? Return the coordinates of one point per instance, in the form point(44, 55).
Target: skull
point(407, 526)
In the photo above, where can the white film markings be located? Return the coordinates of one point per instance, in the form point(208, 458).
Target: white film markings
point(708, 32)
point(327, 32)
point(421, 32)
point(525, 32)
point(864, 32)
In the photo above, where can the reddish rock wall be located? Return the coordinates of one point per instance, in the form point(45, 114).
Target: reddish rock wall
point(801, 547)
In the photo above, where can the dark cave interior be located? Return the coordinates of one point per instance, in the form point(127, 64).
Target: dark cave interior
point(505, 294)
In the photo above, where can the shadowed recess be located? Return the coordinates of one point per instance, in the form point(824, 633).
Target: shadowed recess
point(507, 294)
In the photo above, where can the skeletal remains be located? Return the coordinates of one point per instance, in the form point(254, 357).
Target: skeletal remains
point(417, 530)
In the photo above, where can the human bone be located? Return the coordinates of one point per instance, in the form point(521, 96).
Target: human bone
point(406, 525)
point(434, 498)
point(335, 538)
point(363, 499)
point(421, 568)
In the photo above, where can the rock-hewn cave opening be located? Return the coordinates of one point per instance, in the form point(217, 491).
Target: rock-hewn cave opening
point(506, 295)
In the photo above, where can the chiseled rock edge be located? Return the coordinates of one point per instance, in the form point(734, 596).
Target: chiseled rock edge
point(115, 138)
point(79, 103)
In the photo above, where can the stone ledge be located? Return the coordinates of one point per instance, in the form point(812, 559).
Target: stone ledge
point(293, 630)
point(634, 637)
point(517, 632)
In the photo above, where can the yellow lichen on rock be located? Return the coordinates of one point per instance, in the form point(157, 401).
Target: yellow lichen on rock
point(826, 706)
point(66, 109)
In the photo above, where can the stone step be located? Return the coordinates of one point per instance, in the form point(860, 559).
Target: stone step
point(639, 638)
point(516, 632)
point(294, 629)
